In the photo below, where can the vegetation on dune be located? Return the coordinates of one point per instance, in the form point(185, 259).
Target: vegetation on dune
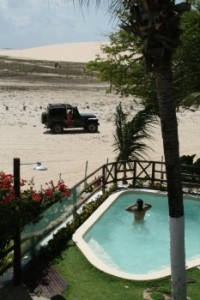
point(11, 67)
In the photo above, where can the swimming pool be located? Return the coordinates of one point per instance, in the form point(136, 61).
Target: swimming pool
point(114, 243)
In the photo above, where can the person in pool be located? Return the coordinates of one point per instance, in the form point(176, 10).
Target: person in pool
point(139, 209)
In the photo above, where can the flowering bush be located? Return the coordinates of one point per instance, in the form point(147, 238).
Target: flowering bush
point(46, 196)
point(16, 212)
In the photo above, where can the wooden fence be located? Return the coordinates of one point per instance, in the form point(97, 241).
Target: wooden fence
point(148, 174)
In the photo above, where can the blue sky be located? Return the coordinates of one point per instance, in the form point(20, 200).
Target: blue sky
point(33, 23)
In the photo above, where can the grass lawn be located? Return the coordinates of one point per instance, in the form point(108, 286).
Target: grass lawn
point(85, 282)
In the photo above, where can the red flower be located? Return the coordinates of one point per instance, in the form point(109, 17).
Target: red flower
point(37, 197)
point(63, 188)
point(52, 192)
point(49, 192)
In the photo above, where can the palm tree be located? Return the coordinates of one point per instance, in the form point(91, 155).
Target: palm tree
point(156, 23)
point(130, 136)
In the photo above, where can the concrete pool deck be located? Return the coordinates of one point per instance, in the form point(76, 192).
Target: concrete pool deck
point(94, 260)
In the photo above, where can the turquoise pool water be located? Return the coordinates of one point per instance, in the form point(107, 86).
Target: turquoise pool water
point(141, 248)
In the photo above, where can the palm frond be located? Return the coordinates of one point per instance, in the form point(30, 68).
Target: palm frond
point(129, 136)
point(156, 23)
point(114, 4)
point(192, 100)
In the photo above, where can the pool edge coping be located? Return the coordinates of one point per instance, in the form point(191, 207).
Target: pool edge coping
point(95, 261)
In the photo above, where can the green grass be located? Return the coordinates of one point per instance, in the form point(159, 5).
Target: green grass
point(85, 282)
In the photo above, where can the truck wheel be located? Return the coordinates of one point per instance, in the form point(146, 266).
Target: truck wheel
point(92, 127)
point(57, 128)
point(44, 118)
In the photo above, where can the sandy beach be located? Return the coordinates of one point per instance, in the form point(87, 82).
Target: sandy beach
point(24, 98)
point(22, 134)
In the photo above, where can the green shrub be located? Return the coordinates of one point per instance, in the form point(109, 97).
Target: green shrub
point(157, 296)
point(164, 290)
point(7, 260)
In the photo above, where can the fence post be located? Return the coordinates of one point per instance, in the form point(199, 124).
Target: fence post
point(103, 179)
point(86, 168)
point(74, 200)
point(162, 177)
point(115, 172)
point(124, 181)
point(153, 173)
point(17, 237)
point(134, 173)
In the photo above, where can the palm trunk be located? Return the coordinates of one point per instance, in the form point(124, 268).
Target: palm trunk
point(166, 100)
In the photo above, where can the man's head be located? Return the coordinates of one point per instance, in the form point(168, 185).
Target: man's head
point(140, 204)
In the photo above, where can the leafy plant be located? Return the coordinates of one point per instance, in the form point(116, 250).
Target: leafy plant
point(130, 135)
point(6, 260)
point(190, 167)
point(88, 188)
point(123, 67)
point(157, 296)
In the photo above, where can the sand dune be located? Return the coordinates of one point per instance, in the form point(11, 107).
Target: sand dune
point(76, 52)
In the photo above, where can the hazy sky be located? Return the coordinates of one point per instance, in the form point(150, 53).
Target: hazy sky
point(33, 23)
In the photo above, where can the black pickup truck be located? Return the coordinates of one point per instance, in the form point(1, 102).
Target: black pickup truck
point(56, 118)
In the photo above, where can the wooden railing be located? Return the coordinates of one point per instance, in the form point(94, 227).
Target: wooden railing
point(151, 174)
point(148, 174)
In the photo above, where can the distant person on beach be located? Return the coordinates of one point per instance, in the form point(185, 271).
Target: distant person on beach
point(69, 119)
point(139, 209)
